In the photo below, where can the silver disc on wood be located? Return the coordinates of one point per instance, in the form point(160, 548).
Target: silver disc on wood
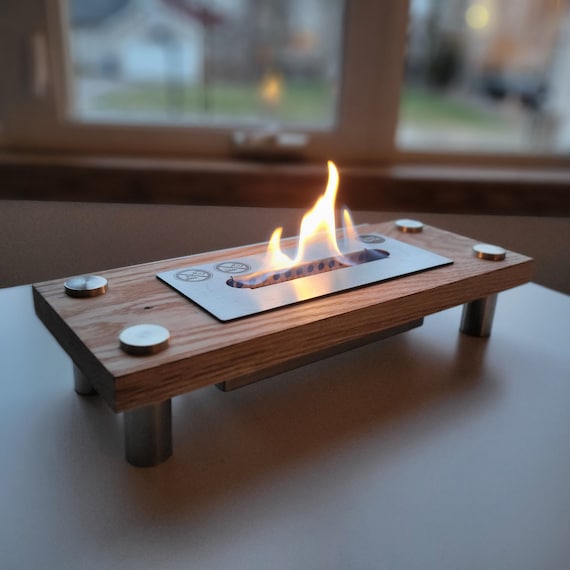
point(490, 252)
point(409, 226)
point(144, 339)
point(86, 286)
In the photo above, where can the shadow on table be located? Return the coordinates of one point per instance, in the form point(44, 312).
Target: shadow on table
point(225, 443)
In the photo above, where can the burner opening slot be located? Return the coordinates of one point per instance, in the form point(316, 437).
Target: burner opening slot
point(306, 269)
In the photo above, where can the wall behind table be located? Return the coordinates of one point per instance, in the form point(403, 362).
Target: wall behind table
point(49, 240)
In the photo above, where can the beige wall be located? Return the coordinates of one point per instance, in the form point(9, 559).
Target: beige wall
point(48, 240)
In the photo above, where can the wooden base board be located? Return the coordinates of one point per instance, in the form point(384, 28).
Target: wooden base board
point(304, 359)
point(204, 351)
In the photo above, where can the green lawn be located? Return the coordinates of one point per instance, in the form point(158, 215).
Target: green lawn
point(301, 101)
point(308, 102)
point(424, 108)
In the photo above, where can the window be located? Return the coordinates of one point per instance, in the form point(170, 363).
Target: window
point(359, 81)
point(487, 75)
point(251, 63)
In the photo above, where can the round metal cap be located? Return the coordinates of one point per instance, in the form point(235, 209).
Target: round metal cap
point(490, 252)
point(409, 226)
point(86, 286)
point(144, 339)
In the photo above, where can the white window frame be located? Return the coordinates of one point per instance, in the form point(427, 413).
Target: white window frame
point(33, 111)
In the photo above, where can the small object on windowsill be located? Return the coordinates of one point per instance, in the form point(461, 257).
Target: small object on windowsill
point(269, 144)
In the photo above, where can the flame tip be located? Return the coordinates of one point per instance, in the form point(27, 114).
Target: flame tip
point(319, 221)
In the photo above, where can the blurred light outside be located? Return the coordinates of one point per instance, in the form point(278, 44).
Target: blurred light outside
point(477, 16)
point(487, 76)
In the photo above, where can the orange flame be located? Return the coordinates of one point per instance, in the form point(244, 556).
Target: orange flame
point(318, 232)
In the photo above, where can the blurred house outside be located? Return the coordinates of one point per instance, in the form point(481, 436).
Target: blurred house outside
point(139, 41)
point(128, 38)
point(173, 45)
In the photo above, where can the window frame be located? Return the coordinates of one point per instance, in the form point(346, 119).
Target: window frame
point(368, 104)
point(44, 124)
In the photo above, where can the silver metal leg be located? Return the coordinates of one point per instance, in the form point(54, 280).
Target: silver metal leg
point(81, 383)
point(477, 317)
point(148, 434)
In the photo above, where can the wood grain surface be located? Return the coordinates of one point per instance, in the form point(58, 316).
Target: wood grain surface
point(204, 351)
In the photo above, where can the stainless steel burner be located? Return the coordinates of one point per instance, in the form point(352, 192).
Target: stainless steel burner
point(207, 284)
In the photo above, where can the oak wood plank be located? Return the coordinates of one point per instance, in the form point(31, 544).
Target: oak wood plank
point(204, 351)
point(305, 359)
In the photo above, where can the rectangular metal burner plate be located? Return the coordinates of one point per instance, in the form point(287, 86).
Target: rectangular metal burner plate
point(206, 285)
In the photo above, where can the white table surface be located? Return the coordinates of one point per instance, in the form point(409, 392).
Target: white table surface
point(430, 450)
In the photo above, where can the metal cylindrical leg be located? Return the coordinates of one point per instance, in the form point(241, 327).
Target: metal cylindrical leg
point(148, 434)
point(477, 317)
point(81, 383)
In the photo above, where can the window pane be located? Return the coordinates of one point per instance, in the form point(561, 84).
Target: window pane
point(206, 62)
point(487, 76)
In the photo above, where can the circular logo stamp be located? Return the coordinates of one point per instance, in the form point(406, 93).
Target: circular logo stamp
point(372, 238)
point(233, 267)
point(193, 275)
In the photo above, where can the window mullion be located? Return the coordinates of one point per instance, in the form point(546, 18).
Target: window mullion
point(27, 97)
point(375, 45)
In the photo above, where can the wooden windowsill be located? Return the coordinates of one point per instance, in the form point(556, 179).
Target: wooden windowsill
point(418, 188)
